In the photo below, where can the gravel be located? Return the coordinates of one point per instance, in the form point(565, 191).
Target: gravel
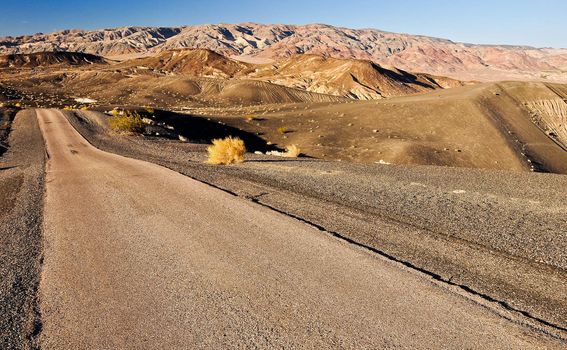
point(21, 205)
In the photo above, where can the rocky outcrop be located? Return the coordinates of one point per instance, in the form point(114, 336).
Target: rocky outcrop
point(551, 116)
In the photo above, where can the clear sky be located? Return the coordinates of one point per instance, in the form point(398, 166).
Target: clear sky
point(530, 22)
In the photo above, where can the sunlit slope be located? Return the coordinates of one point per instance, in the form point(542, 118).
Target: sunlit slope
point(489, 126)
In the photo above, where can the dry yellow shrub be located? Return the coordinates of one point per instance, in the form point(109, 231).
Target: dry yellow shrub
point(127, 122)
point(229, 150)
point(292, 151)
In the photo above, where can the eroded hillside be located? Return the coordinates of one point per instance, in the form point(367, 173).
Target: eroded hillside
point(413, 53)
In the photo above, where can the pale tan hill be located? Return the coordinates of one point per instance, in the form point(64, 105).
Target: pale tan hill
point(412, 53)
point(489, 126)
point(44, 59)
point(357, 79)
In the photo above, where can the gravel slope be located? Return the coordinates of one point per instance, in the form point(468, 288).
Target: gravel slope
point(499, 234)
point(21, 207)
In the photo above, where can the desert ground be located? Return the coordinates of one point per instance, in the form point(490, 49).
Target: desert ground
point(423, 211)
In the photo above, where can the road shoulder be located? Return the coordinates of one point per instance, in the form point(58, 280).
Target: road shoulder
point(22, 170)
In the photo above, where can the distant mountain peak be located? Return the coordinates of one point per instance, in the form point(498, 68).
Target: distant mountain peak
point(276, 41)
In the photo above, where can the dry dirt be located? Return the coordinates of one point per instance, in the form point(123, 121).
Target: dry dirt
point(489, 126)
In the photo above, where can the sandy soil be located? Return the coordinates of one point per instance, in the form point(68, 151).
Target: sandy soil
point(484, 126)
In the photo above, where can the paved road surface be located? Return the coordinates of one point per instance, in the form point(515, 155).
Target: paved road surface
point(138, 256)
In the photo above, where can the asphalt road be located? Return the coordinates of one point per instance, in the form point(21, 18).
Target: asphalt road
point(139, 256)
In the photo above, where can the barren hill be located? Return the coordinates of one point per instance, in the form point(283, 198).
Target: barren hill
point(273, 42)
point(192, 62)
point(42, 59)
point(357, 79)
point(517, 126)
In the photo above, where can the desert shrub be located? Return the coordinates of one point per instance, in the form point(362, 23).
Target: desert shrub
point(292, 151)
point(126, 122)
point(229, 150)
point(149, 109)
point(283, 130)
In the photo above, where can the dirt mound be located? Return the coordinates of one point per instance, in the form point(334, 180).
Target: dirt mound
point(49, 59)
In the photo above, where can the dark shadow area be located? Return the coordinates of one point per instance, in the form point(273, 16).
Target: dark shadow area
point(6, 118)
point(202, 130)
point(281, 159)
point(401, 75)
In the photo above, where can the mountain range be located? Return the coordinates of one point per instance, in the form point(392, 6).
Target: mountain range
point(262, 43)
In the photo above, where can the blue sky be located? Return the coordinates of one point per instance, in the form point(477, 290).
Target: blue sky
point(537, 23)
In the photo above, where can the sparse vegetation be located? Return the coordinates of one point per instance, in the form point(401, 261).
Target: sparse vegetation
point(251, 118)
point(229, 150)
point(292, 151)
point(283, 130)
point(126, 122)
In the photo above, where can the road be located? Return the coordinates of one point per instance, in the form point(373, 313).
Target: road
point(139, 256)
